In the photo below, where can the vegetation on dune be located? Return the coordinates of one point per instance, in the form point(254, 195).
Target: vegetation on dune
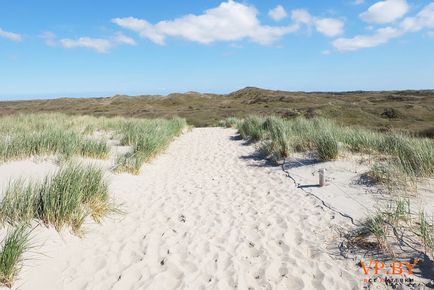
point(230, 122)
point(426, 232)
point(373, 110)
point(44, 134)
point(406, 155)
point(396, 224)
point(278, 146)
point(64, 199)
point(12, 249)
point(252, 128)
point(148, 138)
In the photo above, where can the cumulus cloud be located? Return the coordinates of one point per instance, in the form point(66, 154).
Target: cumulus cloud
point(422, 20)
point(328, 26)
point(10, 35)
point(278, 13)
point(230, 21)
point(385, 11)
point(101, 45)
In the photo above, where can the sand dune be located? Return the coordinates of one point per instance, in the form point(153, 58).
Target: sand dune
point(206, 214)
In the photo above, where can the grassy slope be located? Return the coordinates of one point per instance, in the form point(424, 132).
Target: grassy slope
point(415, 109)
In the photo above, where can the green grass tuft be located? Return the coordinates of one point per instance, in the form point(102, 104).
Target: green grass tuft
point(65, 199)
point(327, 146)
point(12, 249)
point(252, 128)
point(148, 138)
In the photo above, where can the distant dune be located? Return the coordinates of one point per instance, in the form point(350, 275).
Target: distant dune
point(411, 110)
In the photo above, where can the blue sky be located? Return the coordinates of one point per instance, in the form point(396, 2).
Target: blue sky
point(104, 47)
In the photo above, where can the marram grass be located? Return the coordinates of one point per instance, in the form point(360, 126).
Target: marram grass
point(148, 138)
point(406, 155)
point(12, 249)
point(44, 134)
point(64, 199)
point(24, 136)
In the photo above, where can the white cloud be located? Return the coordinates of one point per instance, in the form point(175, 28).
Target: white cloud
point(123, 39)
point(230, 21)
point(358, 2)
point(98, 44)
point(328, 26)
point(142, 27)
point(381, 36)
point(278, 13)
point(10, 35)
point(385, 11)
point(101, 45)
point(301, 16)
point(423, 20)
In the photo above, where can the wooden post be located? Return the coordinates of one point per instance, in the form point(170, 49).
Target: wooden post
point(321, 177)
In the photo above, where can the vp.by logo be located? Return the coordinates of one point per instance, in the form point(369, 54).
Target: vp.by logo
point(396, 268)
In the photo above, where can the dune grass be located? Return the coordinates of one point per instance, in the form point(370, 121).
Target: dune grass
point(46, 134)
point(20, 202)
point(278, 146)
point(397, 224)
point(373, 226)
point(406, 155)
point(12, 249)
point(426, 232)
point(58, 134)
point(230, 122)
point(148, 138)
point(252, 128)
point(64, 199)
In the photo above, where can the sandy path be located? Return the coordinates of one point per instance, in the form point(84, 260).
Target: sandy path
point(201, 216)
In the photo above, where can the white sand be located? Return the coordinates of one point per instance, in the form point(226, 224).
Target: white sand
point(203, 215)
